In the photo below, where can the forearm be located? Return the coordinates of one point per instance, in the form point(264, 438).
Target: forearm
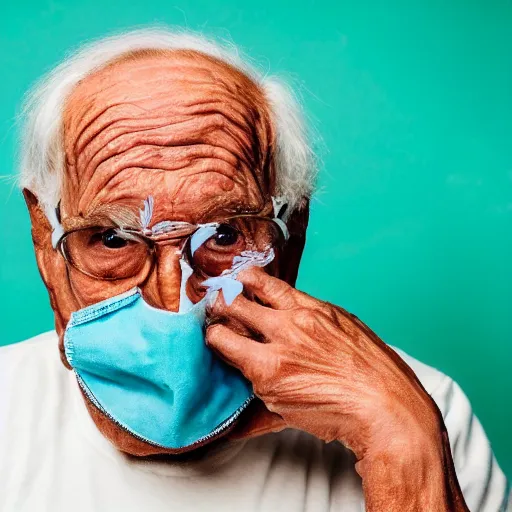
point(410, 479)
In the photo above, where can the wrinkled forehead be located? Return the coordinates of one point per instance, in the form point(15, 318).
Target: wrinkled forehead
point(160, 81)
point(183, 115)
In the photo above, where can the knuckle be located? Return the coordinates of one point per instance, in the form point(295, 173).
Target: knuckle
point(306, 319)
point(325, 308)
point(276, 290)
point(268, 290)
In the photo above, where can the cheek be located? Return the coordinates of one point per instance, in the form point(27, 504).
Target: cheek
point(88, 290)
point(54, 273)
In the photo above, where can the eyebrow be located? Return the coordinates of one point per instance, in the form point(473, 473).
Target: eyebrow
point(108, 215)
point(126, 216)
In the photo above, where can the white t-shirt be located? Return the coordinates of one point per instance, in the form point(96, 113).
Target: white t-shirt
point(52, 457)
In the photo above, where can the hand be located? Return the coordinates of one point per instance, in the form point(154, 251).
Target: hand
point(318, 368)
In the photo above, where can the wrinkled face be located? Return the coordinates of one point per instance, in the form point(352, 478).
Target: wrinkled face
point(183, 128)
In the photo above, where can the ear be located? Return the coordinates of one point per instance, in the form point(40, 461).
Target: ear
point(41, 232)
point(289, 259)
point(51, 264)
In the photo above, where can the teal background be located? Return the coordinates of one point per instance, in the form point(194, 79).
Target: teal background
point(411, 227)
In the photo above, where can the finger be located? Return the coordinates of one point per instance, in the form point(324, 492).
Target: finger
point(270, 290)
point(239, 351)
point(256, 317)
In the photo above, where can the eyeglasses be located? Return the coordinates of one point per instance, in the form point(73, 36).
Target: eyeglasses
point(112, 253)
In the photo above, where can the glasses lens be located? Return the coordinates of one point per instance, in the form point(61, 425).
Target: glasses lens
point(233, 239)
point(106, 253)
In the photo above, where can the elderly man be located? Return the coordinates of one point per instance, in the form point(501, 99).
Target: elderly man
point(168, 185)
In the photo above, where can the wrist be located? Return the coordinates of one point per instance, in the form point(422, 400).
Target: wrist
point(404, 479)
point(413, 472)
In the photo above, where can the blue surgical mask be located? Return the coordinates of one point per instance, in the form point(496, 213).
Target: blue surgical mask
point(150, 371)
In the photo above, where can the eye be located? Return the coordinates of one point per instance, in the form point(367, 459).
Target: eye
point(226, 235)
point(112, 240)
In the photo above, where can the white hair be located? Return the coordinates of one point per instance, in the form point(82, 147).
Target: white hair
point(42, 152)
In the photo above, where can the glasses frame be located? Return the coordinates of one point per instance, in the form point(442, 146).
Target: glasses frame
point(152, 242)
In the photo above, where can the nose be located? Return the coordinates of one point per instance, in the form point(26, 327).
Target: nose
point(162, 287)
